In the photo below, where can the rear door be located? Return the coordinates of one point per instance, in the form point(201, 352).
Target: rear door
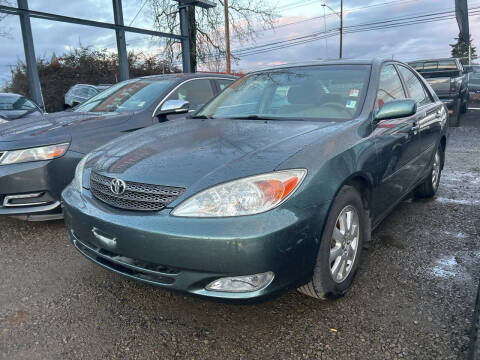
point(398, 145)
point(429, 116)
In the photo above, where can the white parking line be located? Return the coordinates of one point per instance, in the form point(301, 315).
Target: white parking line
point(470, 108)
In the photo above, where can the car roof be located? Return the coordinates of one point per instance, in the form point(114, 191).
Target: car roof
point(10, 94)
point(372, 61)
point(182, 76)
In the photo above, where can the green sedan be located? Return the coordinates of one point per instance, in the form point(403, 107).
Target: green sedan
point(276, 183)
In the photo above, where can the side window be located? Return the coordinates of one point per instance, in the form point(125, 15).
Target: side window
point(82, 92)
point(390, 86)
point(223, 83)
point(91, 92)
point(196, 92)
point(415, 87)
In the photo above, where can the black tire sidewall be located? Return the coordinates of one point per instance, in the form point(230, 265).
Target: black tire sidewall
point(322, 278)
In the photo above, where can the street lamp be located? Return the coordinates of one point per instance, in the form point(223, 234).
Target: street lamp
point(341, 22)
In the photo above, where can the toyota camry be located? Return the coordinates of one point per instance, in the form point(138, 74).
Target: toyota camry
point(274, 184)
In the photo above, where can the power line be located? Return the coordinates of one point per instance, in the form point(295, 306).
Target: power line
point(396, 22)
point(138, 12)
point(348, 29)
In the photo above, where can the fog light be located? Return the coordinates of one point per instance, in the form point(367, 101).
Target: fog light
point(247, 283)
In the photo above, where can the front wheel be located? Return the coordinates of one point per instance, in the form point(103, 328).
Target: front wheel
point(340, 247)
point(454, 118)
point(429, 187)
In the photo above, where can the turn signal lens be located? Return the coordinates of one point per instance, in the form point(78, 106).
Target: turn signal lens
point(247, 196)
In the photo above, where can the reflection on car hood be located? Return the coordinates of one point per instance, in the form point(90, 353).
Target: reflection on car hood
point(47, 125)
point(202, 152)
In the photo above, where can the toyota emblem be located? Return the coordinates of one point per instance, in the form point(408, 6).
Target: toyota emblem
point(118, 186)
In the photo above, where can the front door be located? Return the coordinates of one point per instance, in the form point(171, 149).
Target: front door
point(398, 145)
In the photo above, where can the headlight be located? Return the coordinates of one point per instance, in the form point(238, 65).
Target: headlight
point(77, 182)
point(247, 196)
point(34, 154)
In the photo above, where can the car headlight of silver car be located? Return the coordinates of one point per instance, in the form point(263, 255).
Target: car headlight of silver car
point(247, 196)
point(77, 182)
point(34, 154)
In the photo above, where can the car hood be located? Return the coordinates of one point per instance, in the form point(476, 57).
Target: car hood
point(195, 154)
point(47, 128)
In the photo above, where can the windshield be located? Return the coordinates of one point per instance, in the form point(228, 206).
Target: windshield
point(326, 92)
point(130, 95)
point(15, 102)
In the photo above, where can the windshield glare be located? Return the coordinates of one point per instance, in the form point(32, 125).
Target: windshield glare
point(323, 92)
point(130, 95)
point(12, 102)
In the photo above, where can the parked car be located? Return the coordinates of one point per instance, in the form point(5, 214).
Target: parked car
point(449, 81)
point(14, 106)
point(38, 157)
point(80, 93)
point(276, 183)
point(473, 72)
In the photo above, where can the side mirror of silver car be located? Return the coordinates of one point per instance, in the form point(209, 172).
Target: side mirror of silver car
point(173, 107)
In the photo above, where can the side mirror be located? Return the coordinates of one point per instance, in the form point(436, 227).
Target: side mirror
point(173, 107)
point(396, 109)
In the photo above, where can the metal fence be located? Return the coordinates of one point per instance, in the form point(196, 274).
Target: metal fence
point(24, 14)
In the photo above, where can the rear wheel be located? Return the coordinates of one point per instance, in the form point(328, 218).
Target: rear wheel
point(429, 187)
point(340, 247)
point(464, 107)
point(454, 118)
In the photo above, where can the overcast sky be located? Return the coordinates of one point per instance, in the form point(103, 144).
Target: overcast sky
point(404, 43)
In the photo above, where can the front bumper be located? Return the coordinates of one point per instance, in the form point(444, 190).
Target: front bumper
point(186, 254)
point(47, 179)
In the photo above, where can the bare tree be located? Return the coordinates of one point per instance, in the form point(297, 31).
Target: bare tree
point(247, 19)
point(4, 32)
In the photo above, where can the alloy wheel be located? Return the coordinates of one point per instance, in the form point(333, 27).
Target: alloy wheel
point(344, 243)
point(436, 170)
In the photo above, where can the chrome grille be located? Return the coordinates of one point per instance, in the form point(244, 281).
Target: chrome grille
point(137, 196)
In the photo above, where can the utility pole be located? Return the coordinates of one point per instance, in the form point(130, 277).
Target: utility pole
point(341, 22)
point(341, 27)
point(227, 36)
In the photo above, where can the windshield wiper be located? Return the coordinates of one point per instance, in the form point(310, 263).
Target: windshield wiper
point(255, 117)
point(202, 117)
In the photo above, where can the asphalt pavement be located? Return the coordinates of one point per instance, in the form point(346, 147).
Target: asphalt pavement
point(413, 296)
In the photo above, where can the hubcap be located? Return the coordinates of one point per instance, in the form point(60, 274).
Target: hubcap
point(436, 170)
point(344, 243)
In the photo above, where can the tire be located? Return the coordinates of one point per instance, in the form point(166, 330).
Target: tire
point(454, 119)
point(324, 284)
point(429, 187)
point(464, 107)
